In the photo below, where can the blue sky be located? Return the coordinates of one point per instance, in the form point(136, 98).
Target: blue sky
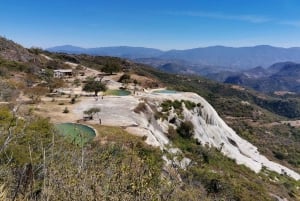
point(163, 24)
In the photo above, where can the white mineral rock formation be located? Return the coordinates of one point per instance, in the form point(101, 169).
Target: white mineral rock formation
point(209, 128)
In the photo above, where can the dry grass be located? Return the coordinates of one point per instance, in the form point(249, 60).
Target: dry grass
point(3, 193)
point(114, 134)
point(145, 82)
point(54, 110)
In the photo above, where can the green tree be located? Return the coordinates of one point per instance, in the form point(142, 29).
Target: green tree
point(92, 111)
point(94, 86)
point(125, 78)
point(111, 67)
point(51, 82)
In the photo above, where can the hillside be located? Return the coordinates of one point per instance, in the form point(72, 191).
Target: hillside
point(15, 52)
point(182, 148)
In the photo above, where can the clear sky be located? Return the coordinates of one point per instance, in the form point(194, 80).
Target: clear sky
point(163, 24)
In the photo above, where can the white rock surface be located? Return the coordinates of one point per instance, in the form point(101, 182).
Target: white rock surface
point(209, 127)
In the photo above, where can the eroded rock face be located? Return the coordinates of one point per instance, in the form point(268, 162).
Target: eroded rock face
point(209, 129)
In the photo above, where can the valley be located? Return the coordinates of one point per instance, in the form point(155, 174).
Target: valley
point(178, 134)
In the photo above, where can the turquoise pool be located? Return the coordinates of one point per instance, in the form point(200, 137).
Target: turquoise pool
point(165, 91)
point(77, 133)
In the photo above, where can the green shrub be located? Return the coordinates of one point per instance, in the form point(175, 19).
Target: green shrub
point(166, 105)
point(186, 129)
point(189, 104)
point(177, 105)
point(279, 155)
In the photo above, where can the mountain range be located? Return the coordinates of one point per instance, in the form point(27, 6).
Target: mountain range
point(216, 58)
point(282, 77)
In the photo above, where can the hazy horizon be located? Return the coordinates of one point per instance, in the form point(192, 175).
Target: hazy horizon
point(163, 25)
point(168, 49)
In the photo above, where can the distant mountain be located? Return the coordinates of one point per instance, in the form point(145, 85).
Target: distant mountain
point(68, 49)
point(226, 58)
point(278, 77)
point(278, 66)
point(237, 58)
point(120, 51)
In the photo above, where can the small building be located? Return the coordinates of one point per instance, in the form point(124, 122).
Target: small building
point(61, 73)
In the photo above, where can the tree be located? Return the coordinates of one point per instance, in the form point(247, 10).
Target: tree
point(51, 82)
point(35, 93)
point(92, 111)
point(94, 86)
point(125, 78)
point(111, 67)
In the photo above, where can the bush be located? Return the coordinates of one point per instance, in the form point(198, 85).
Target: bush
point(177, 105)
point(73, 100)
point(279, 155)
point(186, 129)
point(125, 78)
point(166, 105)
point(66, 110)
point(189, 104)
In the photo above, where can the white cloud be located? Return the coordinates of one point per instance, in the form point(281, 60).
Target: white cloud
point(222, 16)
point(295, 23)
point(251, 18)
